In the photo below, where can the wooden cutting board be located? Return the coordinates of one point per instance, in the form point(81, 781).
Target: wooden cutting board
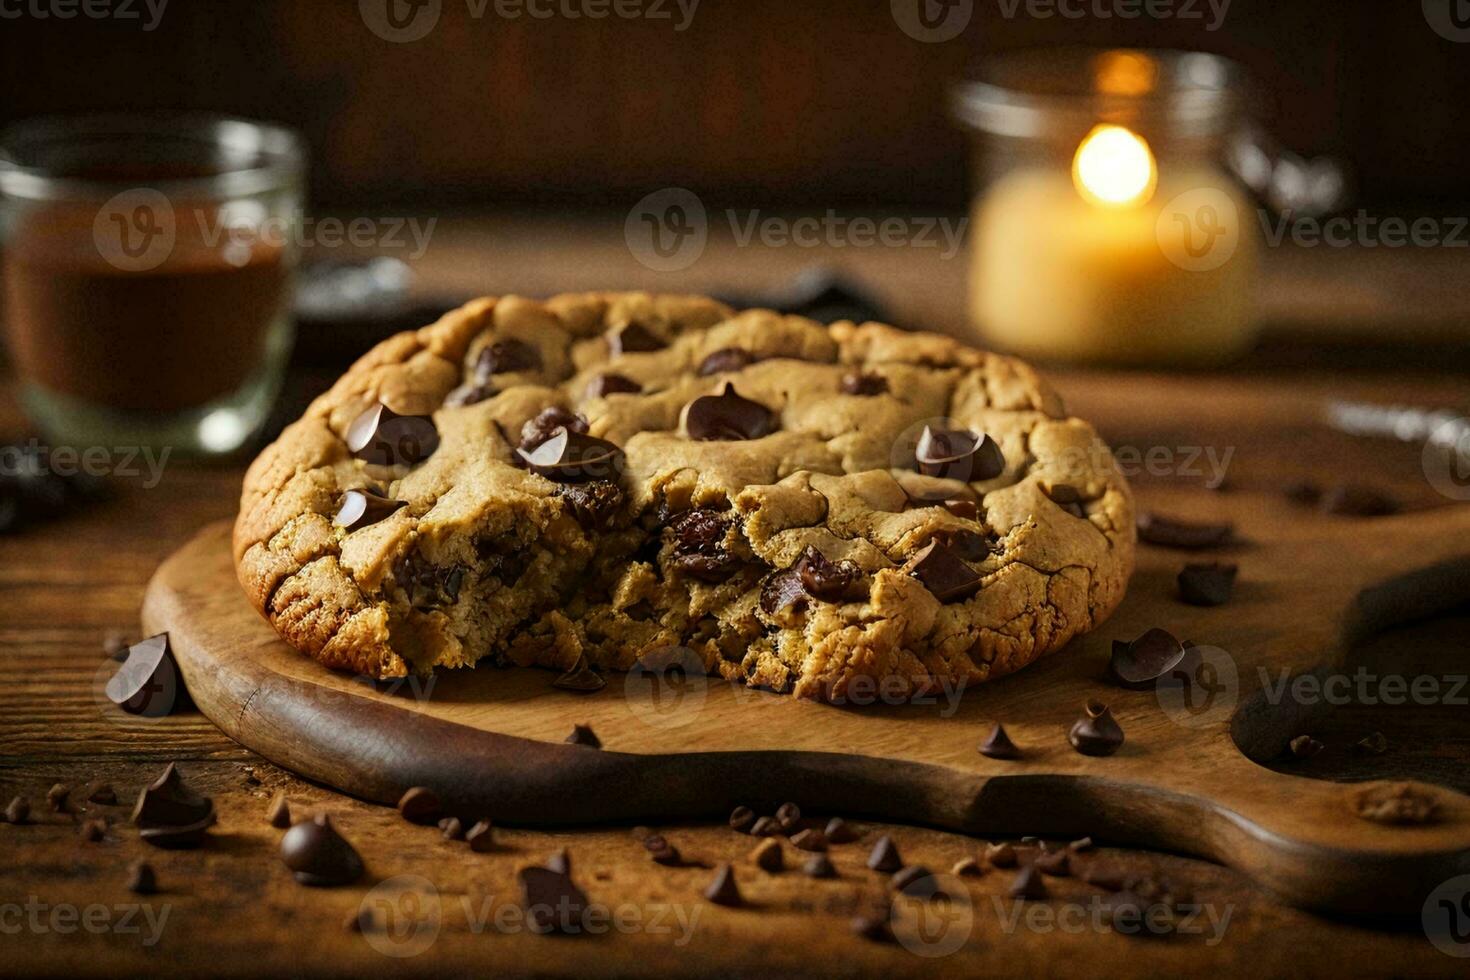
point(492, 741)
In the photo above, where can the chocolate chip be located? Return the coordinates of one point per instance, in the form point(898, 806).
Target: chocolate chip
point(998, 744)
point(560, 861)
point(383, 437)
point(1356, 500)
point(1374, 744)
point(1207, 584)
point(884, 856)
point(722, 889)
point(741, 819)
point(1305, 747)
point(142, 880)
point(967, 867)
point(668, 854)
point(958, 454)
point(1061, 493)
point(420, 805)
point(764, 827)
point(1303, 492)
point(362, 508)
point(810, 839)
point(1097, 732)
point(838, 831)
point(633, 338)
point(864, 385)
point(967, 545)
point(581, 678)
point(612, 384)
point(818, 866)
point(916, 881)
point(572, 457)
point(469, 394)
point(593, 505)
point(427, 585)
point(19, 810)
point(450, 828)
point(965, 510)
point(278, 815)
point(1057, 864)
point(93, 831)
point(583, 735)
point(813, 575)
point(149, 683)
point(170, 814)
point(1028, 884)
point(1170, 532)
point(102, 793)
point(1137, 665)
point(788, 817)
point(872, 927)
point(654, 842)
point(1002, 855)
point(318, 855)
point(552, 901)
point(544, 424)
point(699, 545)
point(727, 416)
point(56, 797)
point(505, 357)
point(942, 573)
point(727, 360)
point(768, 856)
point(481, 837)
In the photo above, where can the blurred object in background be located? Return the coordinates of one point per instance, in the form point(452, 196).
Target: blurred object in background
point(147, 276)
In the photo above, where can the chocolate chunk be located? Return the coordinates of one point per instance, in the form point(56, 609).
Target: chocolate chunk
point(864, 385)
point(727, 360)
point(612, 384)
point(958, 454)
point(1057, 864)
point(741, 819)
point(699, 545)
point(470, 394)
point(942, 573)
point(722, 889)
point(450, 828)
point(278, 815)
point(1374, 744)
point(965, 510)
point(768, 856)
point(966, 545)
point(593, 505)
point(967, 867)
point(916, 881)
point(428, 586)
point(1097, 732)
point(838, 831)
point(782, 589)
point(543, 426)
point(1002, 855)
point(56, 797)
point(1356, 500)
point(633, 338)
point(505, 357)
point(823, 579)
point(149, 683)
point(818, 866)
point(318, 855)
point(998, 744)
point(170, 814)
point(764, 827)
point(1137, 665)
point(142, 880)
point(552, 901)
point(1028, 884)
point(571, 457)
point(1207, 584)
point(727, 416)
point(102, 793)
point(884, 856)
point(583, 735)
point(1305, 747)
point(810, 839)
point(481, 837)
point(872, 927)
point(383, 437)
point(362, 508)
point(420, 805)
point(1061, 493)
point(93, 831)
point(19, 811)
point(560, 861)
point(581, 678)
point(1169, 532)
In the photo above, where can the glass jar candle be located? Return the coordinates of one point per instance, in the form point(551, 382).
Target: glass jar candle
point(1104, 225)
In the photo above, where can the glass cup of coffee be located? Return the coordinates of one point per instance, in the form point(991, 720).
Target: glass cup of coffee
point(145, 271)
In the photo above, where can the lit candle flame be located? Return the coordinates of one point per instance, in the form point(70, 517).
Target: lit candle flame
point(1115, 168)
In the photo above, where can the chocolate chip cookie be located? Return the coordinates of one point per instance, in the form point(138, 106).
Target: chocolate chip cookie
point(597, 480)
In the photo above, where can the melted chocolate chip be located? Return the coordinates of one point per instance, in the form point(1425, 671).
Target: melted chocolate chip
point(383, 437)
point(593, 505)
point(940, 571)
point(612, 384)
point(363, 508)
point(319, 856)
point(958, 454)
point(965, 510)
point(865, 385)
point(506, 356)
point(469, 395)
point(726, 360)
point(1137, 665)
point(633, 338)
point(727, 416)
point(699, 545)
point(966, 545)
point(571, 457)
point(1097, 732)
point(1171, 533)
point(427, 585)
point(1207, 584)
point(537, 430)
point(811, 575)
point(149, 683)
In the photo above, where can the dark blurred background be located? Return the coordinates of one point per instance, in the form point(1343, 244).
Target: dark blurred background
point(789, 102)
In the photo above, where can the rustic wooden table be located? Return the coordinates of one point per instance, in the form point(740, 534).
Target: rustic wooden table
point(232, 908)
